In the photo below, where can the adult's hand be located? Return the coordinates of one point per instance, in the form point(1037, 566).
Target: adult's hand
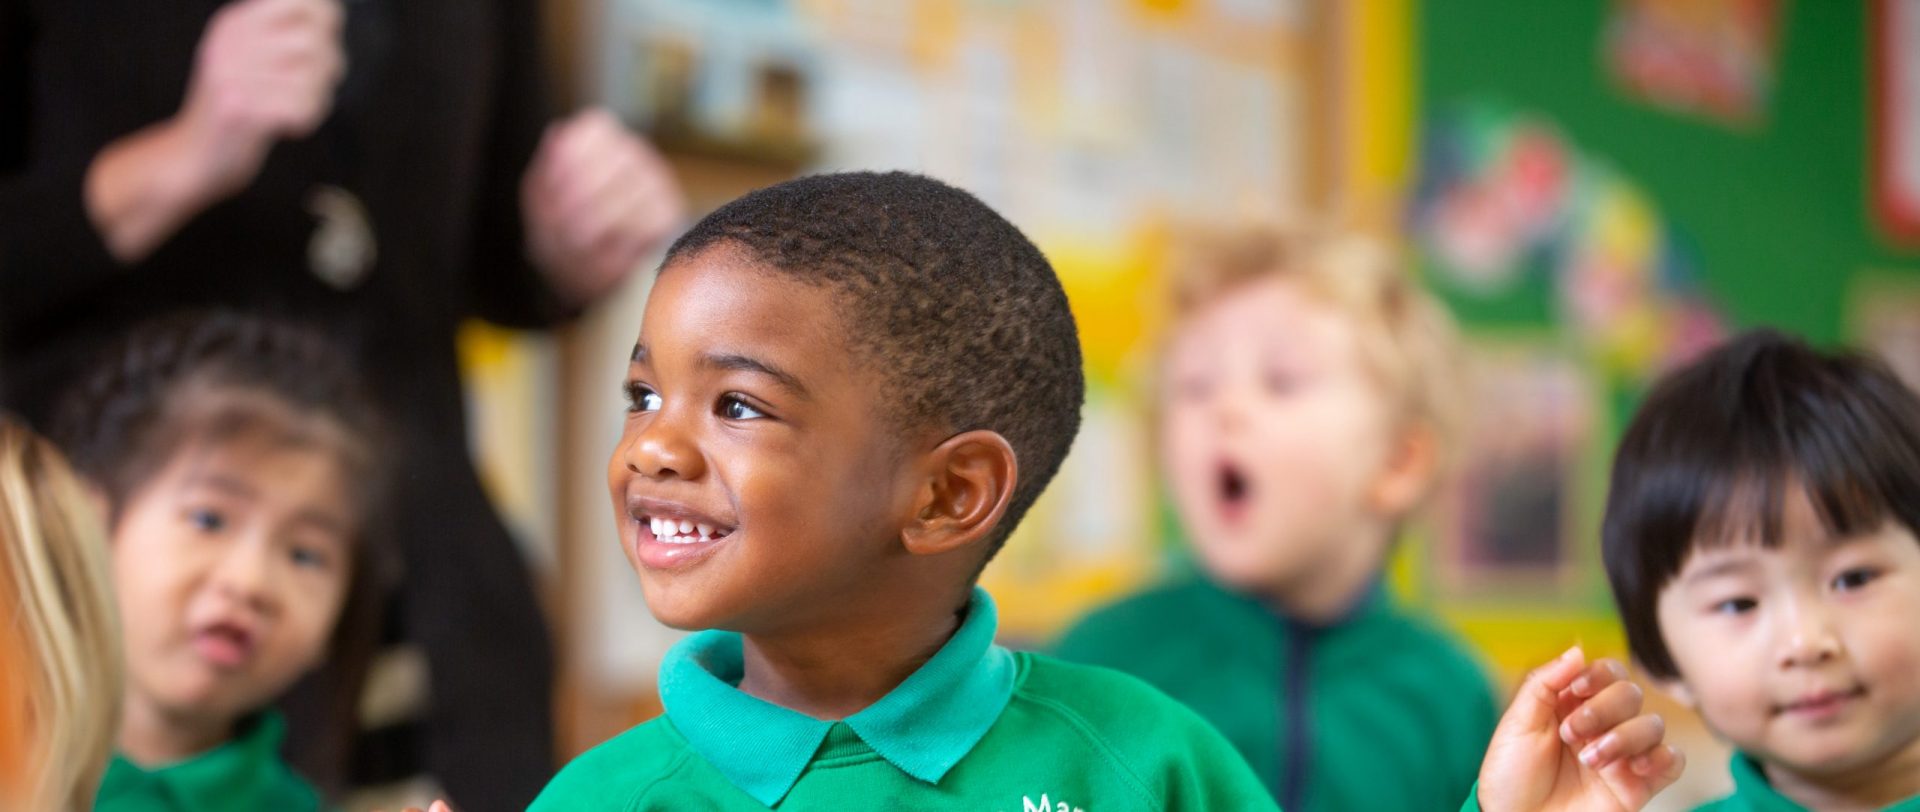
point(264, 71)
point(596, 200)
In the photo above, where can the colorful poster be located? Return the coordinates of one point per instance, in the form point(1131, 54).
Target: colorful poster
point(1503, 195)
point(1896, 117)
point(1710, 58)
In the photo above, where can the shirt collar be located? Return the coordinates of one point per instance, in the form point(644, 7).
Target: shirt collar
point(924, 726)
point(1751, 786)
point(235, 775)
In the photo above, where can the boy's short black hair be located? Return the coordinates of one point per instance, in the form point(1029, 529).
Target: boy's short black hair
point(958, 310)
point(1721, 444)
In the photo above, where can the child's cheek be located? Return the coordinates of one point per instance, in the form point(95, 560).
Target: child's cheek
point(1889, 652)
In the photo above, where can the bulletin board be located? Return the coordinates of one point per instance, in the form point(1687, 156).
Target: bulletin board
point(1579, 197)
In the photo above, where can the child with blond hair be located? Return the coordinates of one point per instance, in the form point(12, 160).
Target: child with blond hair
point(1308, 408)
point(60, 667)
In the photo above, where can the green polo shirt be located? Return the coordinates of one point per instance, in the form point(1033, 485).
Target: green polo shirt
point(976, 728)
point(1377, 711)
point(243, 775)
point(1753, 793)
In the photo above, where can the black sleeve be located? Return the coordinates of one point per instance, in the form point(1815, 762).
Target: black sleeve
point(507, 289)
point(50, 253)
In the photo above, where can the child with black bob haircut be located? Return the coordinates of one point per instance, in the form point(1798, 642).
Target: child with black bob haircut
point(1760, 536)
point(846, 392)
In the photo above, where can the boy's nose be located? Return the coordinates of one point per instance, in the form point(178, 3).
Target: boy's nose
point(661, 451)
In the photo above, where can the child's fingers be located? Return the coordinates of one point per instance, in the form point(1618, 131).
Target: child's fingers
point(1634, 737)
point(1598, 675)
point(1614, 705)
point(1535, 705)
point(1661, 766)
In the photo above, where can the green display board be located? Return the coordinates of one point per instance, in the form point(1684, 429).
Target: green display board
point(1775, 210)
point(1589, 231)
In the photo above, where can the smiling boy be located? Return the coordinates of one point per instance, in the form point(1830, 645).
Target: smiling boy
point(1760, 537)
point(846, 392)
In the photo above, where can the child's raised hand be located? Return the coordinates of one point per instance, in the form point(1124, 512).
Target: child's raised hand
point(1575, 739)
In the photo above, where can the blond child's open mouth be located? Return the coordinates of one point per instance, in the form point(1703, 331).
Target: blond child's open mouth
point(1233, 492)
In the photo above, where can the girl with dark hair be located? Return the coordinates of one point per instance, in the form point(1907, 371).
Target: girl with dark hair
point(241, 467)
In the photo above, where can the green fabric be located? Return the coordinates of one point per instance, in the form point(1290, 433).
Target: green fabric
point(243, 775)
point(923, 727)
point(954, 736)
point(1752, 793)
point(1383, 694)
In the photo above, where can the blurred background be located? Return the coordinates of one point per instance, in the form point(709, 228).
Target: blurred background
point(1597, 187)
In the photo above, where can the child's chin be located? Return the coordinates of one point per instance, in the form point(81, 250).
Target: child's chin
point(677, 613)
point(1233, 569)
point(1827, 755)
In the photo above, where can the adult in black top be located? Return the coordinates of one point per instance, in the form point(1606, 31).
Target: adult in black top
point(383, 167)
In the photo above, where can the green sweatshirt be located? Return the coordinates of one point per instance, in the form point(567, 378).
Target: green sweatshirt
point(1376, 712)
point(1752, 793)
point(977, 728)
point(243, 775)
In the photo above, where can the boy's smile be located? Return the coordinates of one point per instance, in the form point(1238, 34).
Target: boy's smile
point(745, 476)
point(1806, 655)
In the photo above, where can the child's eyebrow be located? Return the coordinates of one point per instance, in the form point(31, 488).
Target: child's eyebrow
point(232, 486)
point(325, 522)
point(743, 363)
point(1731, 566)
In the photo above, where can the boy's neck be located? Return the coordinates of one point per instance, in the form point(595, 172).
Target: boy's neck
point(151, 737)
point(835, 673)
point(1871, 787)
point(1329, 588)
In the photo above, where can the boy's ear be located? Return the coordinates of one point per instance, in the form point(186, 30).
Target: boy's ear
point(1408, 472)
point(970, 481)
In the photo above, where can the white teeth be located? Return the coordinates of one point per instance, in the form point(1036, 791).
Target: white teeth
point(679, 531)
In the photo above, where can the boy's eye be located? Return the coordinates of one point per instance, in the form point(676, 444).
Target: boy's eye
point(206, 521)
point(1853, 579)
point(733, 408)
point(1735, 606)
point(642, 399)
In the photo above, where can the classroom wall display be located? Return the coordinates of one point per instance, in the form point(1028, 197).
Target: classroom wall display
point(1505, 195)
point(1709, 58)
point(1895, 51)
point(727, 78)
point(1884, 318)
point(1511, 524)
point(1626, 226)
